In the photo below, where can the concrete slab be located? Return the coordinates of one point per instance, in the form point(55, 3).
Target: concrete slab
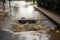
point(53, 16)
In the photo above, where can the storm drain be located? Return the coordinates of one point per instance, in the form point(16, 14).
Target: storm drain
point(25, 21)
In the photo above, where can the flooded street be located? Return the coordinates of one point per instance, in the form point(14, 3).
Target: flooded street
point(13, 30)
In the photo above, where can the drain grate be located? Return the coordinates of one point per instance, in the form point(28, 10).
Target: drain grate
point(29, 21)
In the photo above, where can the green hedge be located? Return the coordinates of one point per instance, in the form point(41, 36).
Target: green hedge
point(50, 4)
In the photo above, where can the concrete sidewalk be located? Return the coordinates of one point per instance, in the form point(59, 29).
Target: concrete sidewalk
point(51, 15)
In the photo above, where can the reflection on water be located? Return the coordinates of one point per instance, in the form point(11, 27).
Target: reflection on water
point(27, 12)
point(18, 3)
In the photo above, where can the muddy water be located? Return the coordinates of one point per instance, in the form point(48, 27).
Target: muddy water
point(30, 13)
point(11, 24)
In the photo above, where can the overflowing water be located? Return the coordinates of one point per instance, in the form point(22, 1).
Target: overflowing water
point(23, 10)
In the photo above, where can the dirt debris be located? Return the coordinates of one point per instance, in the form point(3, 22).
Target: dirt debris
point(17, 27)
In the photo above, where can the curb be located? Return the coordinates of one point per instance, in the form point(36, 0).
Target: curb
point(55, 18)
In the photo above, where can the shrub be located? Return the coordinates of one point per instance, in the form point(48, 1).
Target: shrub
point(50, 4)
